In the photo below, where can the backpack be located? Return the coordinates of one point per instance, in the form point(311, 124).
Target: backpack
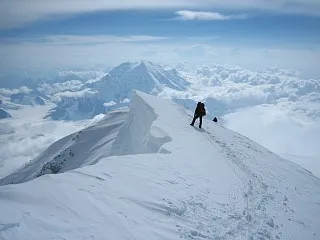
point(201, 109)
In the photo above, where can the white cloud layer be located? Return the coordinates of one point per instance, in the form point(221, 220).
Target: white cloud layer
point(276, 108)
point(96, 39)
point(7, 92)
point(277, 128)
point(109, 104)
point(206, 16)
point(77, 94)
point(73, 85)
point(14, 13)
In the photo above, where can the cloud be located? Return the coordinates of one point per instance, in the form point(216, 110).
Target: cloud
point(85, 75)
point(15, 13)
point(73, 85)
point(82, 39)
point(98, 39)
point(30, 136)
point(206, 16)
point(78, 94)
point(109, 104)
point(97, 56)
point(126, 100)
point(8, 92)
point(241, 87)
point(277, 128)
point(276, 108)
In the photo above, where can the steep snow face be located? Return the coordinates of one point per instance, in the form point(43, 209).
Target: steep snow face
point(168, 181)
point(143, 76)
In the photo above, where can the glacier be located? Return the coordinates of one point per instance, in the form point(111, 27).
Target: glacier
point(145, 173)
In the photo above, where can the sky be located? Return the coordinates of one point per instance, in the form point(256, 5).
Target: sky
point(46, 35)
point(41, 37)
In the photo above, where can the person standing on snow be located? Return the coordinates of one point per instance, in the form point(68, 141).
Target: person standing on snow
point(199, 113)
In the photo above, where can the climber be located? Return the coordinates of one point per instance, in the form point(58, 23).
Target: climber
point(199, 113)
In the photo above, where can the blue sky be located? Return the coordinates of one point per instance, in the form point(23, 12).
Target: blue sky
point(253, 26)
point(205, 30)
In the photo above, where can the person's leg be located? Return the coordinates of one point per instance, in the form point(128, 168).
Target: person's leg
point(200, 122)
point(194, 119)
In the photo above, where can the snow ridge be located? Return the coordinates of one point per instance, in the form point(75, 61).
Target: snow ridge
point(210, 184)
point(119, 133)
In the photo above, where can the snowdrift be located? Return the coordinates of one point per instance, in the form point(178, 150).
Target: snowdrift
point(160, 178)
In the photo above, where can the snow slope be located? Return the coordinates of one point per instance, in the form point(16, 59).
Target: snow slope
point(167, 180)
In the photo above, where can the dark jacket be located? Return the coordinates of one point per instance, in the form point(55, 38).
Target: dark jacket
point(200, 110)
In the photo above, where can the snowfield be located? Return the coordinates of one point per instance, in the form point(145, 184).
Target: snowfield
point(147, 174)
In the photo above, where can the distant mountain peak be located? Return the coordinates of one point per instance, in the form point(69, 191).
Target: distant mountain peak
point(141, 75)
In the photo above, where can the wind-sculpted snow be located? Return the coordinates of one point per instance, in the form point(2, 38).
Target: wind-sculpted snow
point(140, 133)
point(211, 183)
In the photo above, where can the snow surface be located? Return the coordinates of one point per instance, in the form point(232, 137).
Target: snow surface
point(166, 180)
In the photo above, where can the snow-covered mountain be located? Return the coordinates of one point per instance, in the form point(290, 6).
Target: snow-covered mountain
point(94, 96)
point(143, 76)
point(75, 107)
point(22, 96)
point(153, 176)
point(32, 98)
